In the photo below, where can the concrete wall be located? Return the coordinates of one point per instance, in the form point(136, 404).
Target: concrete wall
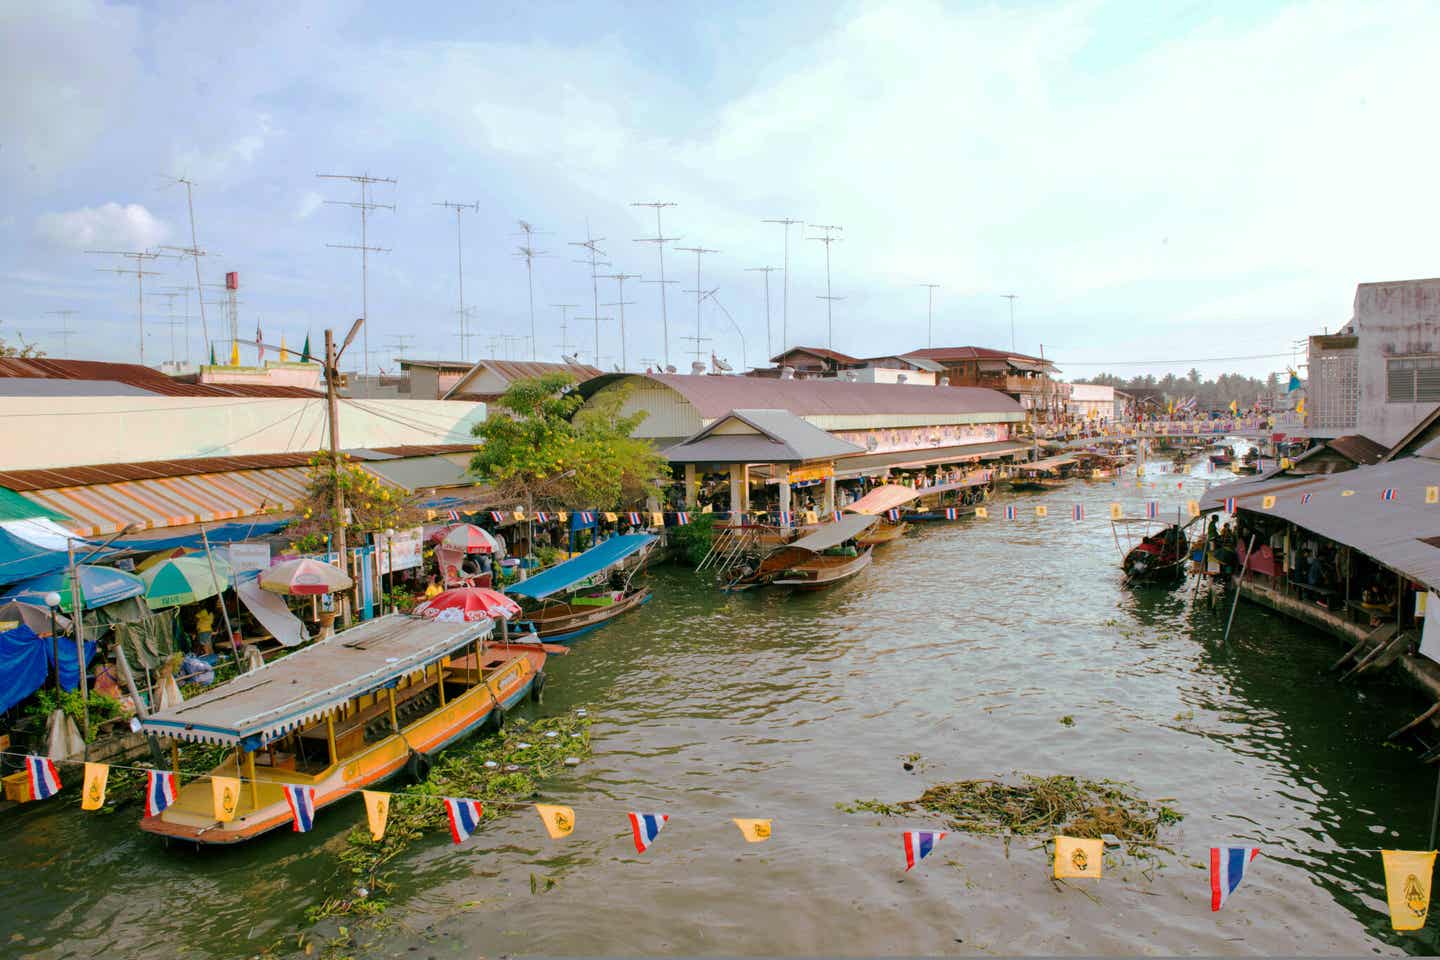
point(41, 432)
point(1393, 319)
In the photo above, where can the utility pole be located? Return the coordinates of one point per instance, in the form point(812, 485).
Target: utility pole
point(458, 207)
point(620, 279)
point(565, 343)
point(592, 244)
point(828, 239)
point(364, 206)
point(195, 253)
point(699, 292)
point(141, 257)
point(528, 251)
point(1011, 297)
point(64, 332)
point(332, 406)
point(787, 223)
point(660, 240)
point(930, 314)
point(769, 347)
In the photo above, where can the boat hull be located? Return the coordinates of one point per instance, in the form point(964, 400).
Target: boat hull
point(826, 575)
point(886, 533)
point(568, 627)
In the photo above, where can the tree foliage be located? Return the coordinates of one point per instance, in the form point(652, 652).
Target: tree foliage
point(373, 505)
point(1210, 393)
point(541, 448)
point(25, 349)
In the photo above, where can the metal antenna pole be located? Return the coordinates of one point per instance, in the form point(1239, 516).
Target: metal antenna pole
point(399, 343)
point(459, 207)
point(769, 347)
point(170, 321)
point(660, 240)
point(620, 279)
point(828, 239)
point(195, 253)
point(364, 206)
point(699, 292)
point(528, 251)
point(1011, 297)
point(141, 257)
point(930, 315)
point(65, 332)
point(592, 244)
point(787, 223)
point(565, 343)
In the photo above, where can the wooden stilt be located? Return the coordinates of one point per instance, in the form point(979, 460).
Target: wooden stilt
point(1416, 722)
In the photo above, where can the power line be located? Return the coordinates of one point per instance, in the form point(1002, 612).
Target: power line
point(699, 292)
point(459, 207)
point(930, 315)
point(620, 279)
point(769, 347)
point(365, 205)
point(528, 251)
point(828, 239)
point(787, 223)
point(660, 240)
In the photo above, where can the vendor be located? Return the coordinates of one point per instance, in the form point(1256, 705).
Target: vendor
point(204, 631)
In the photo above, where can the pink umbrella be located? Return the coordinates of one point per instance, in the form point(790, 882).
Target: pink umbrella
point(304, 578)
point(468, 604)
point(468, 538)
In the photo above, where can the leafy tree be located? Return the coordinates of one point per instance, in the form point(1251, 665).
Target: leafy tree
point(25, 349)
point(373, 505)
point(539, 447)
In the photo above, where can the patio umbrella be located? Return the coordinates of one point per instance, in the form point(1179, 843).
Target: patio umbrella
point(468, 538)
point(304, 578)
point(33, 615)
point(181, 580)
point(154, 560)
point(468, 604)
point(98, 586)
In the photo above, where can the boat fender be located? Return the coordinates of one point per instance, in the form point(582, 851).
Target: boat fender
point(538, 687)
point(497, 719)
point(418, 766)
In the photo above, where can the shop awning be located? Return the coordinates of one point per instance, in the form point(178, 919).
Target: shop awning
point(101, 508)
point(879, 462)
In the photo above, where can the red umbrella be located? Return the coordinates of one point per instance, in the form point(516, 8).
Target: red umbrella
point(468, 538)
point(468, 604)
point(304, 578)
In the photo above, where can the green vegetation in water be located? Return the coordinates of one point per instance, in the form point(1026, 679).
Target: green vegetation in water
point(102, 708)
point(694, 539)
point(1034, 805)
point(500, 770)
point(1067, 721)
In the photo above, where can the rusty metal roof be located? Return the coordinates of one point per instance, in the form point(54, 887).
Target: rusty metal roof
point(941, 354)
point(135, 375)
point(512, 370)
point(820, 352)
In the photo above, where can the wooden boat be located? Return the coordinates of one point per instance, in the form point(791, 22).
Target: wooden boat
point(1048, 474)
point(1093, 465)
point(823, 570)
point(805, 562)
point(1159, 556)
point(583, 594)
point(884, 532)
point(343, 714)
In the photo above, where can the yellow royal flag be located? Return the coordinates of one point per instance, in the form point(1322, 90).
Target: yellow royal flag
point(96, 774)
point(225, 793)
point(609, 517)
point(1286, 463)
point(1407, 886)
point(707, 509)
point(559, 821)
point(982, 513)
point(1234, 406)
point(234, 353)
point(562, 516)
point(519, 516)
point(377, 811)
point(1432, 494)
point(811, 516)
point(1268, 502)
point(1194, 507)
point(1042, 511)
point(657, 519)
point(1116, 511)
point(1300, 406)
point(1347, 493)
point(754, 831)
point(1075, 857)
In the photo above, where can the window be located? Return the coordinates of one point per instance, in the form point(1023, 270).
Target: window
point(1413, 379)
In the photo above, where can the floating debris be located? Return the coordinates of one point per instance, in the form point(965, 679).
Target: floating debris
point(552, 734)
point(572, 761)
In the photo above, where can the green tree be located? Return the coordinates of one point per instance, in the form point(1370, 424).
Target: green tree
point(25, 349)
point(540, 448)
point(373, 505)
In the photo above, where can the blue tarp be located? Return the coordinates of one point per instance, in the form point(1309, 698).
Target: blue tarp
point(224, 533)
point(565, 575)
point(20, 559)
point(98, 585)
point(25, 663)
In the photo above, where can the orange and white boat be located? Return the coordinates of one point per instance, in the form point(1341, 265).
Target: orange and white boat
point(340, 715)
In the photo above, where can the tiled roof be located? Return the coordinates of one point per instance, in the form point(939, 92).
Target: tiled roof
point(134, 375)
point(942, 354)
point(834, 355)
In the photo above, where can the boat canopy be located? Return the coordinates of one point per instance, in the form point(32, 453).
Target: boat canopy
point(883, 498)
point(833, 534)
point(592, 562)
point(257, 707)
point(1049, 463)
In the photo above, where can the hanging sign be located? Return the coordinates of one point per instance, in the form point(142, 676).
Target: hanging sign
point(403, 551)
point(810, 473)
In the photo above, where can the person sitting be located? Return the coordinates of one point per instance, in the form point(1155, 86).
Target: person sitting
point(433, 588)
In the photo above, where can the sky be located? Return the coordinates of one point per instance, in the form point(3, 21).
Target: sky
point(1158, 184)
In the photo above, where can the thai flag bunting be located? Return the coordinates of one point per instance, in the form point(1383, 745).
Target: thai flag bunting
point(464, 817)
point(1229, 504)
point(893, 515)
point(1078, 512)
point(951, 513)
point(646, 827)
point(1009, 513)
point(1227, 869)
point(836, 518)
point(918, 844)
point(1304, 498)
point(453, 516)
point(159, 792)
point(586, 516)
point(302, 805)
point(497, 516)
point(541, 516)
point(1152, 509)
point(44, 778)
point(681, 518)
point(1389, 494)
point(785, 516)
point(634, 519)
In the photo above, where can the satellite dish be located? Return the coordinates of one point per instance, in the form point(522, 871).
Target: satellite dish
point(720, 365)
point(617, 368)
point(570, 357)
point(670, 368)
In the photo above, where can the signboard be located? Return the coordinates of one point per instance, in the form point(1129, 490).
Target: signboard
point(249, 556)
point(232, 281)
point(811, 473)
point(404, 551)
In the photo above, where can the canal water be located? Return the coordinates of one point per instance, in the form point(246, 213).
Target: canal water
point(965, 644)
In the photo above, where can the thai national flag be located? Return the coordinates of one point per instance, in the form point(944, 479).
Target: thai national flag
point(1227, 869)
point(464, 817)
point(1388, 494)
point(586, 516)
point(453, 516)
point(1152, 509)
point(784, 518)
point(44, 778)
point(1229, 504)
point(1009, 513)
point(951, 513)
point(893, 515)
point(497, 516)
point(159, 792)
point(918, 844)
point(1304, 498)
point(836, 518)
point(1078, 512)
point(681, 518)
point(302, 805)
point(541, 516)
point(634, 519)
point(646, 827)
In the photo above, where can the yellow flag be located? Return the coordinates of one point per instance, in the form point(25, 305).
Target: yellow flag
point(562, 516)
point(1286, 463)
point(519, 516)
point(1432, 494)
point(283, 351)
point(1407, 886)
point(234, 353)
point(609, 517)
point(811, 516)
point(1042, 511)
point(225, 792)
point(1116, 511)
point(1268, 501)
point(1300, 406)
point(754, 831)
point(1347, 493)
point(982, 513)
point(377, 811)
point(95, 776)
point(707, 509)
point(657, 519)
point(1194, 507)
point(1234, 406)
point(559, 821)
point(1075, 857)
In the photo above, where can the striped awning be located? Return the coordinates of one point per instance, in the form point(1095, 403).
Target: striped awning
point(102, 508)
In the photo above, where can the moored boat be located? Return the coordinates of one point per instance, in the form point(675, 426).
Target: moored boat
point(1158, 557)
point(348, 712)
point(824, 570)
point(883, 532)
point(811, 562)
point(1048, 474)
point(583, 594)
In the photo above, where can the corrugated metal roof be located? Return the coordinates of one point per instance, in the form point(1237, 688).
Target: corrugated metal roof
point(418, 473)
point(135, 375)
point(821, 352)
point(872, 462)
point(512, 370)
point(1359, 448)
point(1348, 508)
point(36, 387)
point(15, 507)
point(781, 438)
point(943, 354)
point(715, 396)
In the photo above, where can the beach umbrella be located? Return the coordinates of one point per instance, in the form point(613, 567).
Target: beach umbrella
point(33, 615)
point(154, 560)
point(98, 586)
point(468, 538)
point(468, 604)
point(304, 578)
point(182, 580)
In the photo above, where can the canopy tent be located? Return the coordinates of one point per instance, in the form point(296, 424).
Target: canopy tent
point(98, 586)
point(221, 533)
point(182, 580)
point(36, 546)
point(36, 616)
point(258, 707)
point(26, 660)
point(833, 534)
point(591, 564)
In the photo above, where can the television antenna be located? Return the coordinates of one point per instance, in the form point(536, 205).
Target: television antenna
point(699, 292)
point(620, 279)
point(65, 333)
point(930, 315)
point(141, 257)
point(195, 253)
point(459, 208)
point(528, 251)
point(565, 343)
point(828, 239)
point(1011, 297)
point(660, 240)
point(365, 205)
point(787, 223)
point(769, 347)
point(592, 246)
point(744, 362)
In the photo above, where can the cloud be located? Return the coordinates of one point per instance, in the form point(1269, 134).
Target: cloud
point(225, 160)
point(310, 201)
point(110, 227)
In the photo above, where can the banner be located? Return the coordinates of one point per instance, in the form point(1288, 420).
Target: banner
point(754, 831)
point(377, 811)
point(1075, 857)
point(559, 821)
point(96, 776)
point(1407, 886)
point(404, 551)
point(225, 794)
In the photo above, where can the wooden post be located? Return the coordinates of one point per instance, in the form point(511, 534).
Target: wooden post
point(332, 403)
point(224, 610)
point(394, 721)
point(330, 737)
point(254, 784)
point(77, 607)
point(175, 756)
point(1238, 584)
point(440, 680)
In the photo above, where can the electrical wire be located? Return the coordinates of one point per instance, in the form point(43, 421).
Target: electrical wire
point(1165, 363)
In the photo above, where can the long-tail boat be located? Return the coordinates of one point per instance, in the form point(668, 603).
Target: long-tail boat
point(343, 714)
point(583, 594)
point(1048, 474)
point(809, 562)
point(886, 531)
